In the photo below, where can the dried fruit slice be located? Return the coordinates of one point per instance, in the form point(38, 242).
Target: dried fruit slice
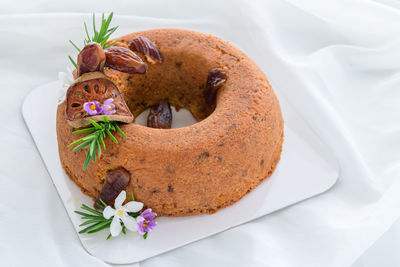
point(123, 59)
point(116, 181)
point(160, 115)
point(90, 59)
point(147, 47)
point(94, 86)
point(215, 80)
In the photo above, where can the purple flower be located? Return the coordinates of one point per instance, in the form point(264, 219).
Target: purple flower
point(146, 221)
point(108, 107)
point(93, 108)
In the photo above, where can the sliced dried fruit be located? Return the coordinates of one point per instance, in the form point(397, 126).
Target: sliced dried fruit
point(215, 80)
point(147, 47)
point(91, 58)
point(116, 181)
point(160, 115)
point(123, 59)
point(91, 87)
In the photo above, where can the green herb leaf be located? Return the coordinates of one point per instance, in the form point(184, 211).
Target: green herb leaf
point(111, 136)
point(86, 130)
point(94, 141)
point(87, 34)
point(90, 221)
point(99, 227)
point(110, 44)
point(87, 215)
point(73, 61)
point(81, 145)
point(87, 161)
point(119, 130)
point(102, 202)
point(74, 45)
point(91, 210)
point(95, 124)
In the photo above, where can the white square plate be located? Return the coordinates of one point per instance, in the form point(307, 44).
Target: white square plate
point(305, 170)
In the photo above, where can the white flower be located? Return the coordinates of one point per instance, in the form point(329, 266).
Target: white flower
point(120, 213)
point(66, 79)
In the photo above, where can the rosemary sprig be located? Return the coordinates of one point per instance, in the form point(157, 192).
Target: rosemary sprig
point(94, 141)
point(100, 36)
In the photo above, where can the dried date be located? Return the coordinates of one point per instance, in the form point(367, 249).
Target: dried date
point(147, 47)
point(123, 59)
point(215, 80)
point(160, 115)
point(91, 58)
point(116, 181)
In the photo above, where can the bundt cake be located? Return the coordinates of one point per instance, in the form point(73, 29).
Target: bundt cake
point(234, 146)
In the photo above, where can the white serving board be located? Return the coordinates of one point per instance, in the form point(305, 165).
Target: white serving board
point(306, 169)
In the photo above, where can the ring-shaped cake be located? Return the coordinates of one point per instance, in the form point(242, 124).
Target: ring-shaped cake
point(201, 168)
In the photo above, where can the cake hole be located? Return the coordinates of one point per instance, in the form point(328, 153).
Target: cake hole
point(180, 119)
point(181, 78)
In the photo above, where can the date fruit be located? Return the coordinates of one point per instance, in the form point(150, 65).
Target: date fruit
point(215, 80)
point(160, 115)
point(147, 47)
point(123, 59)
point(116, 181)
point(91, 58)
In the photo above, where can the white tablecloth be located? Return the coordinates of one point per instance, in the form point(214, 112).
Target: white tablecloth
point(348, 52)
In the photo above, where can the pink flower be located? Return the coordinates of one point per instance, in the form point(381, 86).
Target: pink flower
point(146, 221)
point(93, 108)
point(108, 107)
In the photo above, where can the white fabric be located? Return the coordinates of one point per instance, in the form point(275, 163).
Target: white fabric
point(346, 51)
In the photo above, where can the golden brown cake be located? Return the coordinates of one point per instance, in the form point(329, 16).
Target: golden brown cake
point(200, 168)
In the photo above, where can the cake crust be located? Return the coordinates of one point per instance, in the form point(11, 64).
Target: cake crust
point(200, 168)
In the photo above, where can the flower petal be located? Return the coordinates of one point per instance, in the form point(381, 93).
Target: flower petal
point(108, 212)
point(148, 214)
point(133, 206)
point(92, 108)
point(139, 221)
point(130, 223)
point(115, 227)
point(108, 101)
point(108, 109)
point(120, 199)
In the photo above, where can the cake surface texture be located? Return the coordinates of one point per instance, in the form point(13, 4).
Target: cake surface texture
point(196, 169)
